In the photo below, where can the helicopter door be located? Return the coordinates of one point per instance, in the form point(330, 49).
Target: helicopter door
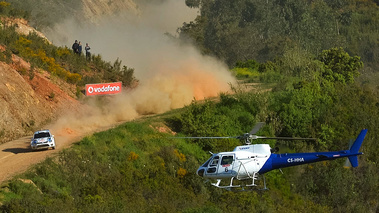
point(213, 164)
point(226, 165)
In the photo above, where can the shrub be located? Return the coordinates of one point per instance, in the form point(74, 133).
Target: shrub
point(270, 77)
point(73, 78)
point(245, 73)
point(52, 96)
point(181, 172)
point(132, 156)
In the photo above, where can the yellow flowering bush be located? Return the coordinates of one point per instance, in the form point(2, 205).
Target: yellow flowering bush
point(181, 172)
point(133, 156)
point(181, 156)
point(73, 77)
point(62, 52)
point(4, 4)
point(46, 62)
point(23, 41)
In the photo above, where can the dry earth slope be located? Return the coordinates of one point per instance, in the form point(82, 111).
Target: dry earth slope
point(28, 102)
point(95, 11)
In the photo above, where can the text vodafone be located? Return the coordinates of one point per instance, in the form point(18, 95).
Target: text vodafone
point(103, 89)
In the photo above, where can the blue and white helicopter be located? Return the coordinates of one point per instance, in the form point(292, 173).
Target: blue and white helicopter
point(248, 161)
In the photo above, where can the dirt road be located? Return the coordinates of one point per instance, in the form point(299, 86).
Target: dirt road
point(16, 156)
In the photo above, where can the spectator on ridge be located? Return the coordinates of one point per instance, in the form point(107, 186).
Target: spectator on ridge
point(75, 47)
point(80, 48)
point(88, 52)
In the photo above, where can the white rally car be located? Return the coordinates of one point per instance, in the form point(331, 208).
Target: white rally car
point(42, 140)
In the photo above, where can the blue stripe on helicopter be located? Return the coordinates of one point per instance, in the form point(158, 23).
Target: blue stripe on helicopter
point(276, 161)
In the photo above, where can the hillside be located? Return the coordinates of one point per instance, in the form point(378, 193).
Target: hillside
point(138, 167)
point(46, 13)
point(190, 76)
point(30, 98)
point(33, 94)
point(96, 11)
point(316, 83)
point(31, 103)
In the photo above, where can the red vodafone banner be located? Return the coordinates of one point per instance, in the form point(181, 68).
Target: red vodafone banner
point(103, 89)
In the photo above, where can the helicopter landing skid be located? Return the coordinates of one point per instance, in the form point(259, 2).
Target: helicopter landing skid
point(231, 186)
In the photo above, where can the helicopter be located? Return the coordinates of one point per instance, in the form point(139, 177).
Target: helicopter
point(247, 162)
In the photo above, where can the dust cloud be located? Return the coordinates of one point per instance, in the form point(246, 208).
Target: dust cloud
point(170, 74)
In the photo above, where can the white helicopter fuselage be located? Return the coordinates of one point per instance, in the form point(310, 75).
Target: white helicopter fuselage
point(249, 161)
point(242, 163)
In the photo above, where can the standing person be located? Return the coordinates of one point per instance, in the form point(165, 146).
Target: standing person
point(75, 47)
point(80, 48)
point(88, 52)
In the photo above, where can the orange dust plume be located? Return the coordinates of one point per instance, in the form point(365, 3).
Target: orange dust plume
point(170, 74)
point(166, 85)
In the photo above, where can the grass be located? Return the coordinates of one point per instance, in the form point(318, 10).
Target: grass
point(135, 167)
point(133, 154)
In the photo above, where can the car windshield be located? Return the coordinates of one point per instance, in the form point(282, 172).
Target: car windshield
point(42, 135)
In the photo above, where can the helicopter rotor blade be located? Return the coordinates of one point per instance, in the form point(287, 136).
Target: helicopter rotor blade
point(249, 136)
point(282, 138)
point(208, 137)
point(256, 128)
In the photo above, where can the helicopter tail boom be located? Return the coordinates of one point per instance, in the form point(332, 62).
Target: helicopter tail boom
point(277, 161)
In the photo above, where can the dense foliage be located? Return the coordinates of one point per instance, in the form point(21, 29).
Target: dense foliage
point(7, 10)
point(262, 30)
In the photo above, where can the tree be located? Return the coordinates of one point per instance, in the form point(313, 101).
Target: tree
point(340, 66)
point(193, 3)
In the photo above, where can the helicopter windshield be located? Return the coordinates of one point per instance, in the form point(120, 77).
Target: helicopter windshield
point(214, 161)
point(206, 163)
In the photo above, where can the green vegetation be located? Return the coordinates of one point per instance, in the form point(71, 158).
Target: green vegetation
point(263, 30)
point(136, 168)
point(7, 10)
point(46, 13)
point(317, 93)
point(132, 168)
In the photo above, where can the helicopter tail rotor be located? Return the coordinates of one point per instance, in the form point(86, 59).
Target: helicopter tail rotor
point(347, 164)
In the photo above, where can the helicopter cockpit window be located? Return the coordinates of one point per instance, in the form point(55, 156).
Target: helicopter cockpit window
point(214, 161)
point(206, 163)
point(227, 160)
